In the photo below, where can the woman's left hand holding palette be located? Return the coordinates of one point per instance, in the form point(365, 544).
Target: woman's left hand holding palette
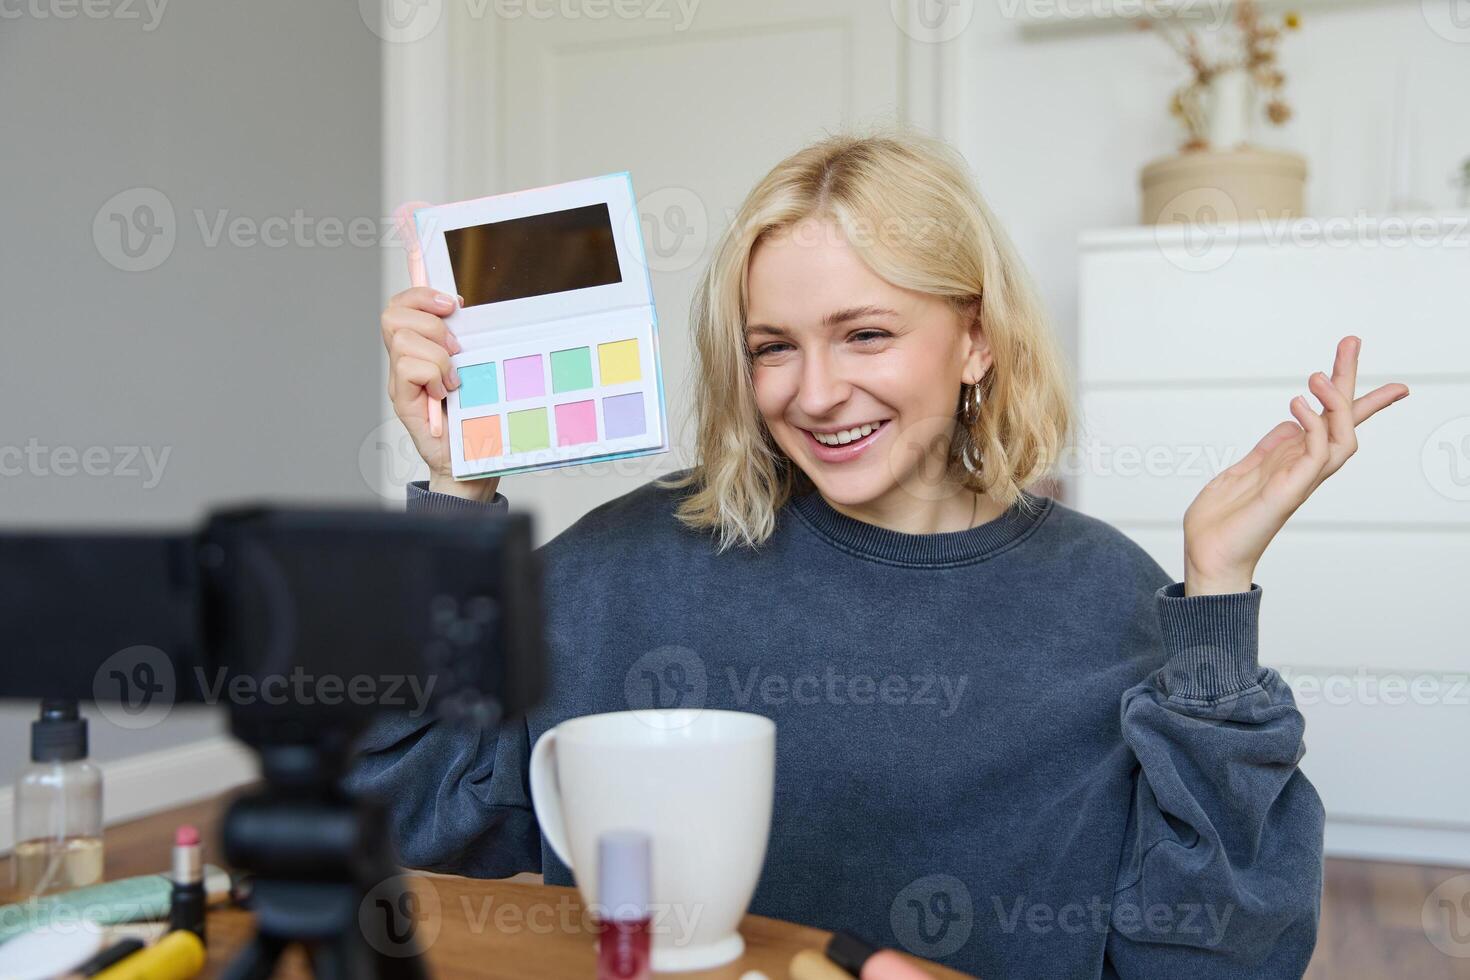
point(419, 345)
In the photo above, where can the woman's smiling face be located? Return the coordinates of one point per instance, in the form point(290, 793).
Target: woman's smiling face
point(856, 378)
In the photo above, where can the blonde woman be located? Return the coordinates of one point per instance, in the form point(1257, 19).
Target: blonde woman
point(1024, 750)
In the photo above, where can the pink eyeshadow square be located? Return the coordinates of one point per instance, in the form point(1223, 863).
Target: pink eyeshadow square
point(576, 423)
point(524, 378)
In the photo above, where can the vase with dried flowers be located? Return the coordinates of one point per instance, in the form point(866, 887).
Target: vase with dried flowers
point(1235, 77)
point(1218, 104)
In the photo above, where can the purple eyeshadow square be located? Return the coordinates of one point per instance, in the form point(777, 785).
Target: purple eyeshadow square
point(524, 378)
point(622, 415)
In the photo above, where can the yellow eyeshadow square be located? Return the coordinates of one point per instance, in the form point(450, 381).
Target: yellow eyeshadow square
point(618, 362)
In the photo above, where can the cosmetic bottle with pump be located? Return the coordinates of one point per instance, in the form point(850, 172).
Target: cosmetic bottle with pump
point(58, 807)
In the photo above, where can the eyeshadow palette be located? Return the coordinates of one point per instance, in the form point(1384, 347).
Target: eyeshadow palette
point(560, 362)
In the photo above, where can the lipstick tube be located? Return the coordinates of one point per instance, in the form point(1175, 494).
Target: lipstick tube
point(187, 899)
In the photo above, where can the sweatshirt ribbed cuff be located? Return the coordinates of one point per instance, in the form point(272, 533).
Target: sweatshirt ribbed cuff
point(1210, 641)
point(422, 500)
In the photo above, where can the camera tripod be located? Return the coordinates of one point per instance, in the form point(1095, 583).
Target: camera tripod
point(324, 875)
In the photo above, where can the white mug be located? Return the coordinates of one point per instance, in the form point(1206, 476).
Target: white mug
point(698, 782)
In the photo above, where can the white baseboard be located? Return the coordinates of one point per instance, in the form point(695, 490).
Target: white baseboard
point(154, 781)
point(1439, 846)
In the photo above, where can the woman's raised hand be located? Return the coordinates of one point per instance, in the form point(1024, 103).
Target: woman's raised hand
point(419, 346)
point(1236, 515)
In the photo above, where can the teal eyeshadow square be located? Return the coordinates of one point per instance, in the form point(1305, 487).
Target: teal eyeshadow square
point(477, 385)
point(571, 370)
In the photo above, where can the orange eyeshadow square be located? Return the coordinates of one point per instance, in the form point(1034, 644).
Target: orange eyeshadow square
point(482, 437)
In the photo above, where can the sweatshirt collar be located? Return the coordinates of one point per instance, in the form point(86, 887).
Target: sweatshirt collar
point(943, 548)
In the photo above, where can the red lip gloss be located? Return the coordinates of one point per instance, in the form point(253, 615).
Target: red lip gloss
point(624, 935)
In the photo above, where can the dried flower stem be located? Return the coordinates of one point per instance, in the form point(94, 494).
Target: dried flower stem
point(1251, 47)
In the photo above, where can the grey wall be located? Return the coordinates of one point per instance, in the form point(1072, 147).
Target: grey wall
point(227, 370)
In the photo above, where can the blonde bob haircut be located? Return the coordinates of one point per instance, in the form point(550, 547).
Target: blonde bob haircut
point(906, 204)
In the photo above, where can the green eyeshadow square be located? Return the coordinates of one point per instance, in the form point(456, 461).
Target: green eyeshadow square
point(571, 370)
point(528, 430)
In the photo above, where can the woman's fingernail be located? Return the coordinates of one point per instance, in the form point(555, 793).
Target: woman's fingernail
point(454, 345)
point(453, 376)
point(445, 301)
point(461, 300)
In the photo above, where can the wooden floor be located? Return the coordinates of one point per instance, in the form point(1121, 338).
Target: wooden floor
point(1372, 923)
point(1372, 926)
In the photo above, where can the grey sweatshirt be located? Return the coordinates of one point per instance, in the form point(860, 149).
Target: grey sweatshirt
point(1018, 750)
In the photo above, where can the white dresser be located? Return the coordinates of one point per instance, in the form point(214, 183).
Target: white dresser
point(1190, 346)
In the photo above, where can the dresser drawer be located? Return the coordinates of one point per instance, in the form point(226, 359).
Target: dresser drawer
point(1263, 309)
point(1143, 455)
point(1313, 617)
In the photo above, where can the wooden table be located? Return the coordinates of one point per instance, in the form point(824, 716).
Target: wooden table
point(490, 929)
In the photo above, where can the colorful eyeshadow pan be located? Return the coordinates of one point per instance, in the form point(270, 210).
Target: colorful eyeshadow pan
point(477, 385)
point(482, 437)
point(576, 423)
point(618, 362)
point(524, 378)
point(571, 370)
point(622, 415)
point(528, 429)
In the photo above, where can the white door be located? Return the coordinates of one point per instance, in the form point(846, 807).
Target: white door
point(697, 100)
